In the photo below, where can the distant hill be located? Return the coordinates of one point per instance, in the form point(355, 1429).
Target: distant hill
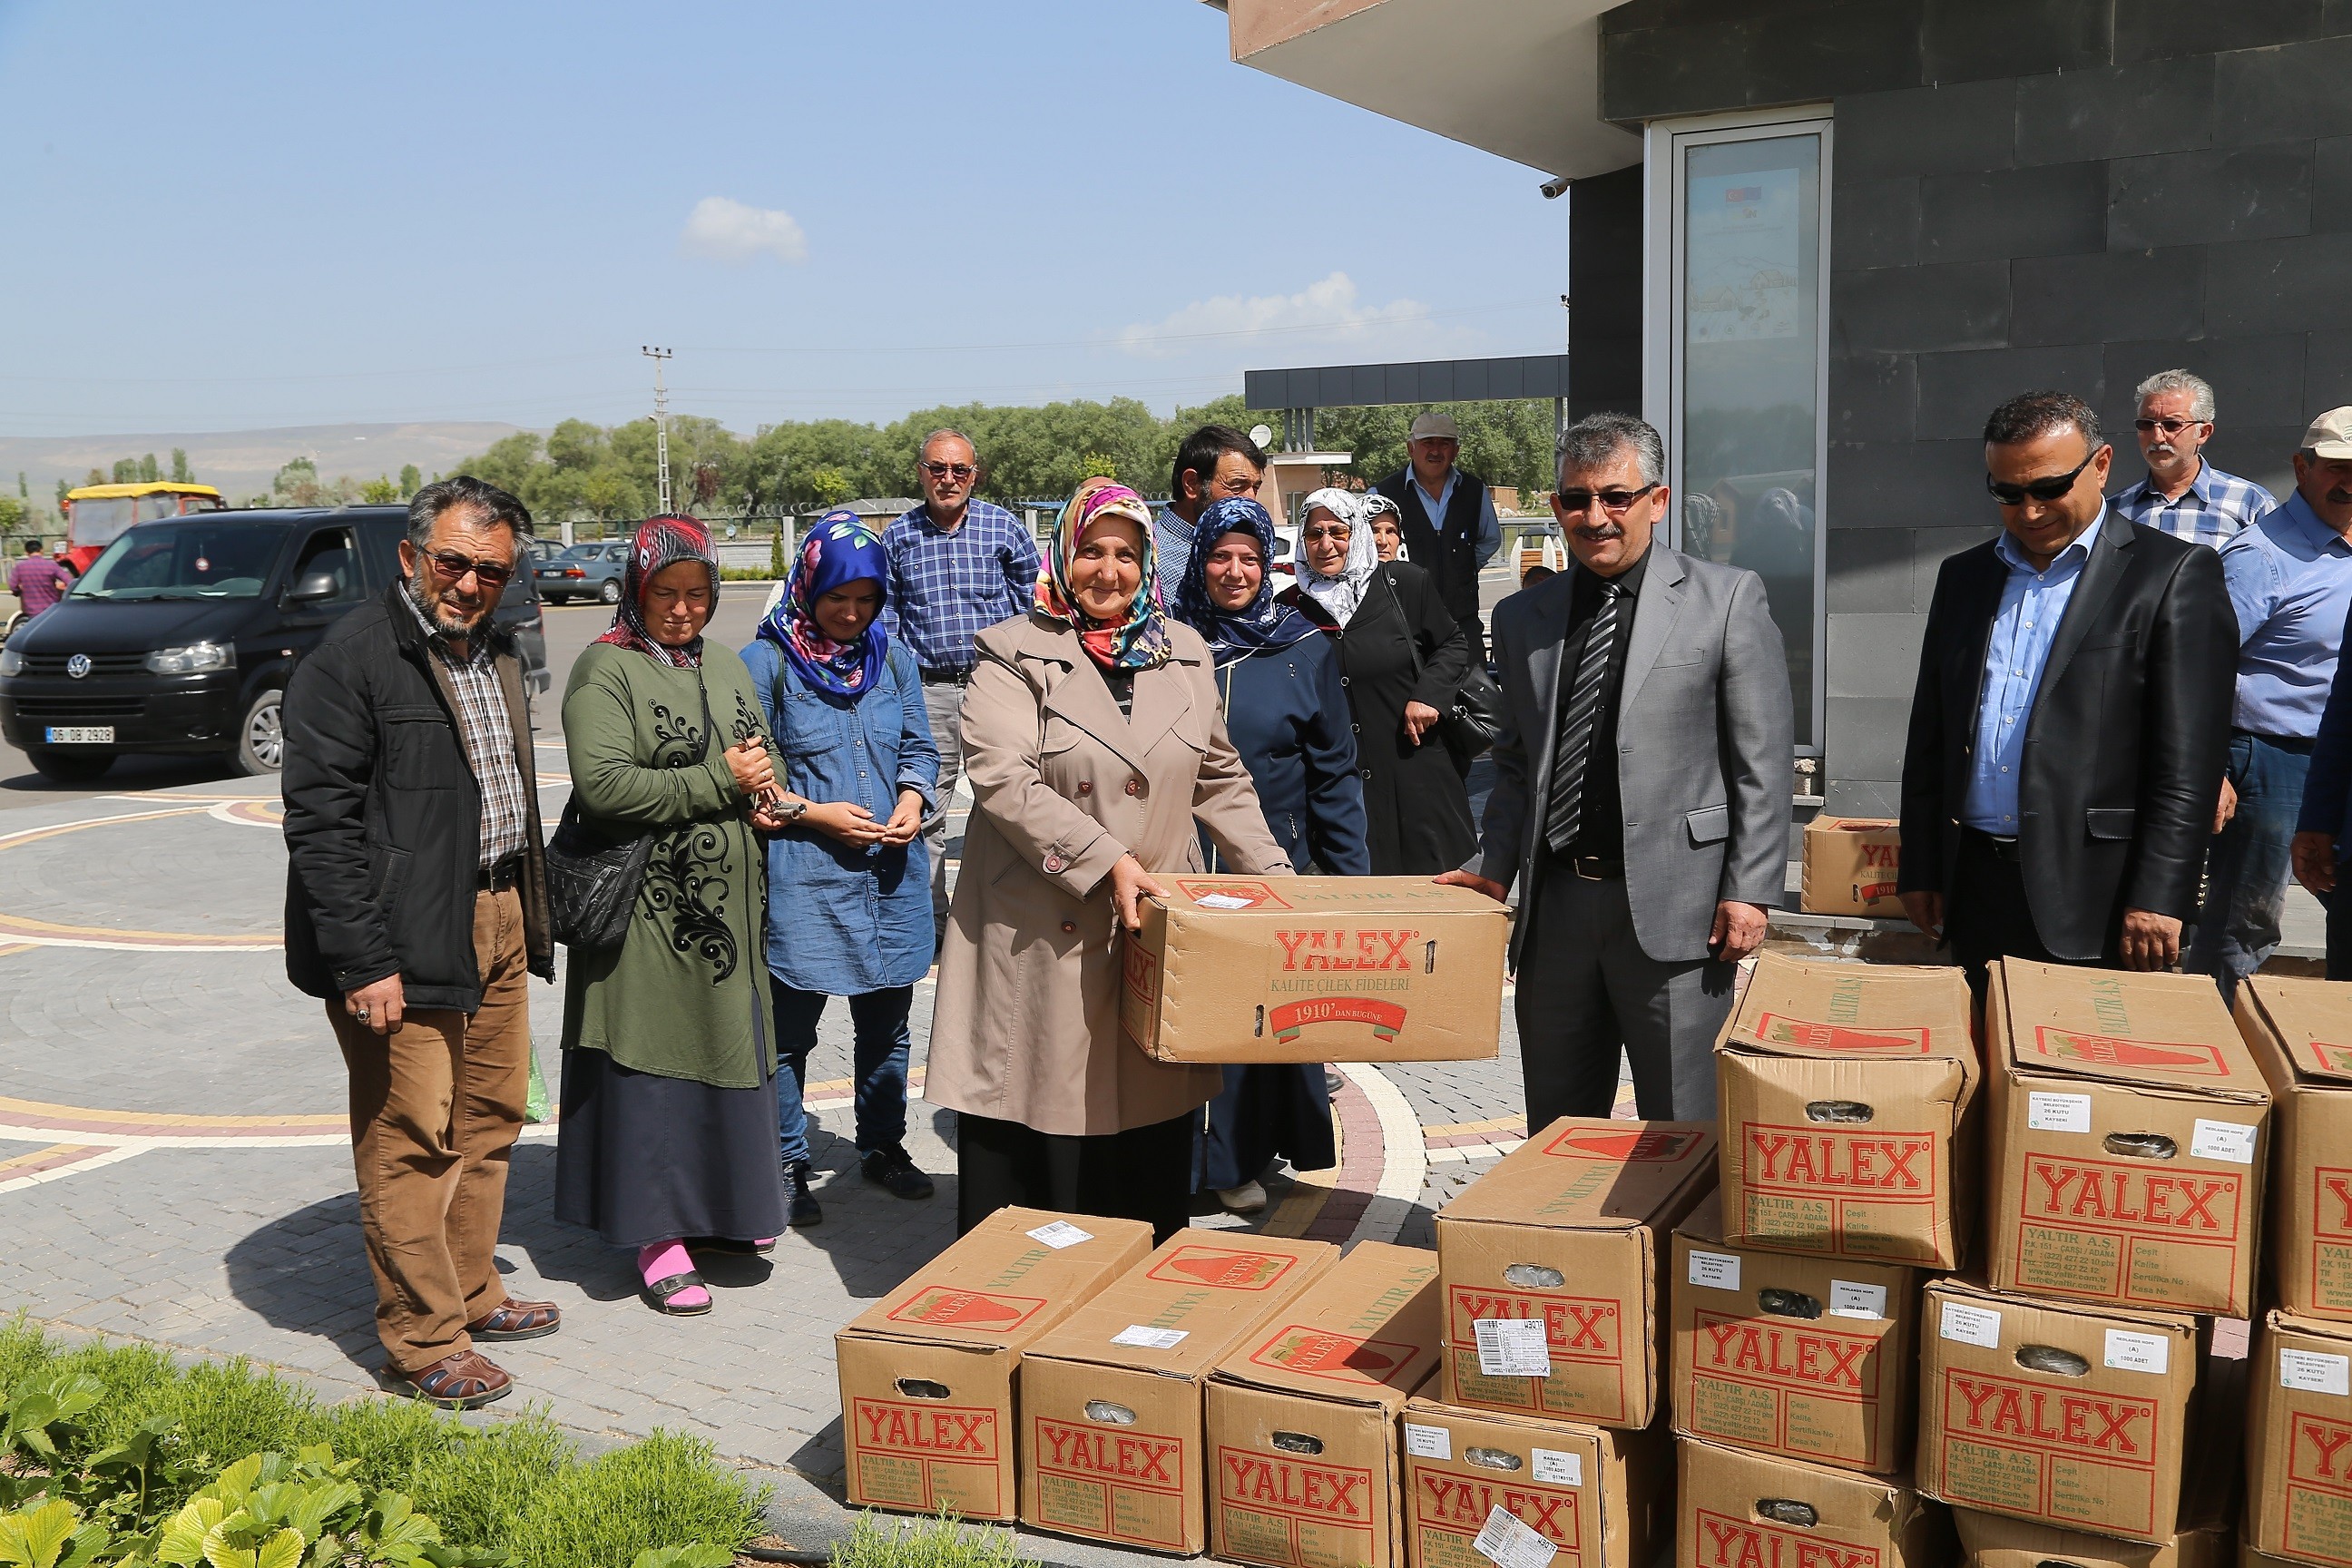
point(241, 462)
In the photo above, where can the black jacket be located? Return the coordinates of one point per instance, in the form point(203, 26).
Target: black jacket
point(383, 817)
point(1444, 547)
point(2124, 752)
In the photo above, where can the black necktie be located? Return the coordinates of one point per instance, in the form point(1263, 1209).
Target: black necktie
point(1574, 749)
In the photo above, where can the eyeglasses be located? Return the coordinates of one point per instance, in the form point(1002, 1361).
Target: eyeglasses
point(454, 566)
point(2051, 488)
point(1339, 531)
point(1616, 503)
point(2169, 427)
point(942, 471)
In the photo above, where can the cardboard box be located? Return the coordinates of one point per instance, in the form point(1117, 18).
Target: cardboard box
point(1603, 1498)
point(1994, 1540)
point(1111, 1440)
point(1800, 1356)
point(1302, 1417)
point(1315, 969)
point(2300, 1032)
point(2299, 1442)
point(1570, 1229)
point(1849, 867)
point(2128, 1139)
point(1740, 1509)
point(2073, 1416)
point(1845, 1091)
point(927, 1372)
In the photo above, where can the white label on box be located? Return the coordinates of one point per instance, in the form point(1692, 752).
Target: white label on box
point(2315, 1373)
point(1506, 1541)
point(1060, 1234)
point(1149, 1338)
point(1428, 1442)
point(2127, 1351)
point(1512, 1347)
point(2230, 1141)
point(1848, 1299)
point(2058, 1113)
point(1222, 901)
point(1971, 1325)
point(1716, 1270)
point(1557, 1468)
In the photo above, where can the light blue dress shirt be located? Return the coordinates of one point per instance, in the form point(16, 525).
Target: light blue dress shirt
point(2290, 578)
point(2032, 603)
point(1490, 531)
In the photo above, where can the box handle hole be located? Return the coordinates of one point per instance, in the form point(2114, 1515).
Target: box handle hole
point(2142, 1145)
point(1493, 1458)
point(1534, 1276)
point(1788, 1510)
point(1838, 1111)
point(1789, 1303)
point(1261, 1024)
point(922, 1388)
point(1429, 959)
point(1109, 1414)
point(1297, 1443)
point(2052, 1359)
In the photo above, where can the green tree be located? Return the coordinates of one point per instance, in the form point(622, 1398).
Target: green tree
point(23, 492)
point(379, 491)
point(149, 472)
point(126, 472)
point(181, 473)
point(411, 482)
point(13, 515)
point(829, 486)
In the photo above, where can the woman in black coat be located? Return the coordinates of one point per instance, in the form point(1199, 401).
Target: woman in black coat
point(1287, 711)
point(1403, 657)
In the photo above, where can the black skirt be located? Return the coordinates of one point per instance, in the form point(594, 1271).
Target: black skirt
point(1265, 1111)
point(1141, 1173)
point(640, 1158)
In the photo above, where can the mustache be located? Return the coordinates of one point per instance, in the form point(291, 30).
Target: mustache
point(2339, 496)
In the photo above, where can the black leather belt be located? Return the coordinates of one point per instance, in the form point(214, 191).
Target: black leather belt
point(1999, 848)
point(946, 677)
point(1593, 868)
point(506, 874)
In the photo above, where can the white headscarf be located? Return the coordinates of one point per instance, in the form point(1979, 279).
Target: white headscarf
point(1342, 595)
point(1374, 503)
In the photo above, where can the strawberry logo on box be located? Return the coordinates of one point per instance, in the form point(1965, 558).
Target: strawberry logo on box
point(942, 1307)
point(2113, 1051)
point(1779, 1029)
point(1221, 1268)
point(1630, 1147)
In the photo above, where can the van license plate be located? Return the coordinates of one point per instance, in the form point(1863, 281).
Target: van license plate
point(81, 735)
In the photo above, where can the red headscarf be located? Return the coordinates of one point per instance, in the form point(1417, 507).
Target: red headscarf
point(661, 542)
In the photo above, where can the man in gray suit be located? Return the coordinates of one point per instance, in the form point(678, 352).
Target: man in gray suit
point(1641, 791)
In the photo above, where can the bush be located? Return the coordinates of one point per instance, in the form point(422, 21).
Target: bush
point(941, 1542)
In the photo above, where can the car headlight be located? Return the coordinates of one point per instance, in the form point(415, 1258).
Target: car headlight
point(11, 662)
point(193, 659)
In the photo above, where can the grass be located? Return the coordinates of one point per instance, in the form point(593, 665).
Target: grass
point(518, 1484)
point(928, 1543)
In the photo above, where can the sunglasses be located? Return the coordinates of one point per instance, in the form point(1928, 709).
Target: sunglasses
point(454, 566)
point(942, 471)
point(1616, 503)
point(2051, 488)
point(2169, 427)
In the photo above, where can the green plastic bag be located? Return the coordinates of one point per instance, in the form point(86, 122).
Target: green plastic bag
point(535, 1101)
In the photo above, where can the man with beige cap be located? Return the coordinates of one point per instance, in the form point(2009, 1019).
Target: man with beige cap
point(1447, 520)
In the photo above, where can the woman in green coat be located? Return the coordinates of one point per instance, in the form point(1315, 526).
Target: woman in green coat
point(668, 1134)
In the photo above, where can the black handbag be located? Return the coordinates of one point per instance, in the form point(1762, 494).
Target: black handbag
point(1472, 723)
point(593, 877)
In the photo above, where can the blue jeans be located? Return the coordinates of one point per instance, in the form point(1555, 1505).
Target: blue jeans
point(2246, 870)
point(879, 1059)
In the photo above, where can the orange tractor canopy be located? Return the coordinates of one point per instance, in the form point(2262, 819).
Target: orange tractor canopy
point(96, 515)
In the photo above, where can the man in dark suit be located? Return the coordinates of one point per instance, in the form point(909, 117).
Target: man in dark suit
point(1446, 515)
point(2072, 721)
point(1641, 795)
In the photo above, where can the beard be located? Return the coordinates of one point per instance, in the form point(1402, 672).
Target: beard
point(445, 620)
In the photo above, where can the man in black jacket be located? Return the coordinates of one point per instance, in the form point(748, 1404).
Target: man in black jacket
point(1447, 518)
point(2072, 720)
point(416, 908)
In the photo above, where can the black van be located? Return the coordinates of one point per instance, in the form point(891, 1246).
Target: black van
point(178, 639)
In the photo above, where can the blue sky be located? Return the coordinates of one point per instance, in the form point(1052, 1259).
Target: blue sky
point(239, 214)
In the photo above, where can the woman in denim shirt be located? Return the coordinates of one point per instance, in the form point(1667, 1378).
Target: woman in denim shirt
point(849, 905)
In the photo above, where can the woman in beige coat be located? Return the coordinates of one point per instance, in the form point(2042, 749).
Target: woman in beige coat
point(1094, 744)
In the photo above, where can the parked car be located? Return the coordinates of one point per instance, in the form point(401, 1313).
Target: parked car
point(585, 572)
point(179, 638)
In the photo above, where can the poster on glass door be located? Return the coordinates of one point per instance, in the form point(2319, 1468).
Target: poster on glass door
point(1742, 250)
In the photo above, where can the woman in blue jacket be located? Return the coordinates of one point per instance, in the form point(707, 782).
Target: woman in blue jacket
point(849, 902)
point(1290, 719)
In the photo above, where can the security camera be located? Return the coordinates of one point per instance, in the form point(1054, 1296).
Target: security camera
point(1554, 188)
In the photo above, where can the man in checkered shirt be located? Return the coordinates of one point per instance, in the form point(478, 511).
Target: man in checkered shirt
point(2184, 495)
point(958, 566)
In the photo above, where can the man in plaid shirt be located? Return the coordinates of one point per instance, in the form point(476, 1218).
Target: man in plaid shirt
point(958, 566)
point(2184, 495)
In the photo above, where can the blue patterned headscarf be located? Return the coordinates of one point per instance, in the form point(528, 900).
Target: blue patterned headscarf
point(1260, 625)
point(840, 549)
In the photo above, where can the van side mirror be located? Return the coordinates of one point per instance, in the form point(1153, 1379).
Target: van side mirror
point(313, 587)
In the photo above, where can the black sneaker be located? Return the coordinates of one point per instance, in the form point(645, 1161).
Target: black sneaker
point(802, 1207)
point(891, 1167)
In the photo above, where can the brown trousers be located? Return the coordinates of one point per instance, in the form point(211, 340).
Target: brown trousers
point(435, 1109)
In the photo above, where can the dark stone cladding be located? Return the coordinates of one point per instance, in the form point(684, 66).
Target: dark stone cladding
point(2068, 193)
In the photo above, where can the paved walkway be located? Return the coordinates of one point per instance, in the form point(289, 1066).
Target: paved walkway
point(174, 1166)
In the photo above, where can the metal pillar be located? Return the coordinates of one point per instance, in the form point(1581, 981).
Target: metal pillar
point(661, 424)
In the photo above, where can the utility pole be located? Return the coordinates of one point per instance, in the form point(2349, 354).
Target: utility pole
point(661, 423)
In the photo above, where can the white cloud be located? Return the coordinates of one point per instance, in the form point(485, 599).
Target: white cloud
point(1325, 309)
point(724, 230)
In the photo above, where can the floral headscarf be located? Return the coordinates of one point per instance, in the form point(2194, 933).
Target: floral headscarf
point(1339, 595)
point(1139, 642)
point(840, 549)
point(1262, 623)
point(662, 541)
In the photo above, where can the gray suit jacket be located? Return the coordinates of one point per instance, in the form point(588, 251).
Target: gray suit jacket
point(1705, 745)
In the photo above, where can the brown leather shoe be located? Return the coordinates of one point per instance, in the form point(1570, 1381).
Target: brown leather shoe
point(465, 1381)
point(513, 1320)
